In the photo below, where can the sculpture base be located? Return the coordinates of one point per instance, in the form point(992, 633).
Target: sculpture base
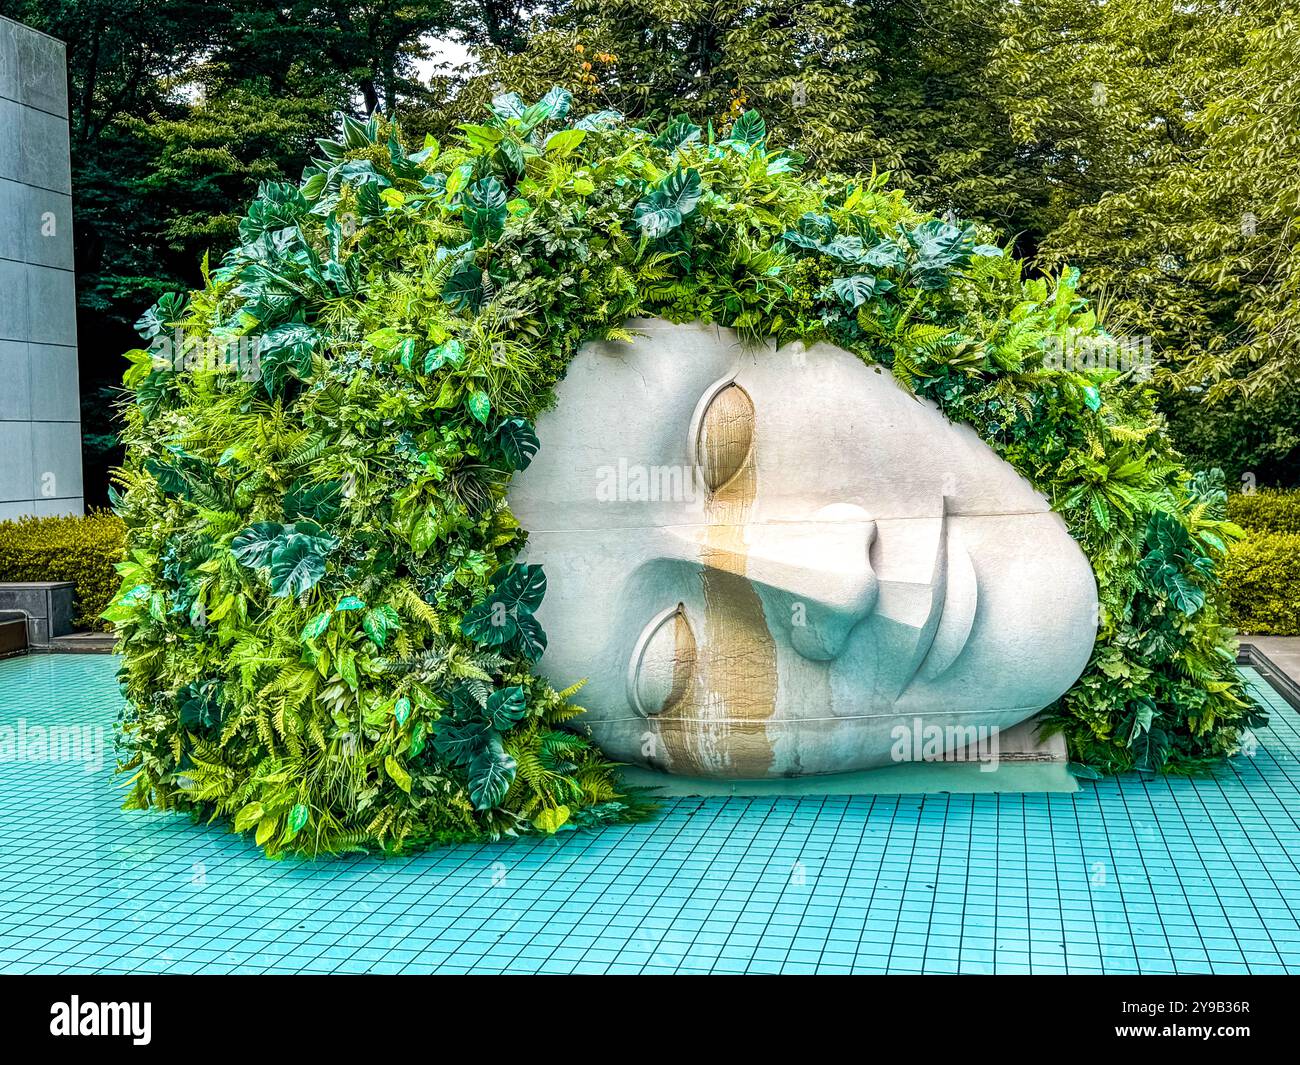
point(1027, 763)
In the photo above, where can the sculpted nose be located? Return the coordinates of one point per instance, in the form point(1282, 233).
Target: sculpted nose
point(815, 576)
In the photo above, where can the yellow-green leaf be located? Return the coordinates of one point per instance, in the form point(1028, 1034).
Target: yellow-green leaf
point(399, 775)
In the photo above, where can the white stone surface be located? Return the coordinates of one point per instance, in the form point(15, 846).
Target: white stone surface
point(867, 565)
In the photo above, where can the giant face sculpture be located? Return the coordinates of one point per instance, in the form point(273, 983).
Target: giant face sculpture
point(765, 561)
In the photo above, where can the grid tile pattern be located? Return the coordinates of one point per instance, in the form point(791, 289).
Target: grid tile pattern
point(1130, 875)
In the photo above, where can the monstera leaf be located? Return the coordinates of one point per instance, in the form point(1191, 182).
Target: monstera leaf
point(169, 310)
point(531, 637)
point(253, 546)
point(199, 704)
point(319, 502)
point(169, 478)
point(490, 775)
point(278, 205)
point(859, 289)
point(681, 130)
point(505, 706)
point(459, 743)
point(518, 442)
point(153, 391)
point(298, 559)
point(496, 621)
point(669, 203)
point(1171, 560)
point(464, 287)
point(748, 132)
point(285, 352)
point(887, 255)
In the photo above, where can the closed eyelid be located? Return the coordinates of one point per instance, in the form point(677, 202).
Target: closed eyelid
point(723, 433)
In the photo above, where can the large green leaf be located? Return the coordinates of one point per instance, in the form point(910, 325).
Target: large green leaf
point(485, 213)
point(464, 287)
point(284, 352)
point(490, 775)
point(505, 706)
point(531, 637)
point(563, 141)
point(319, 502)
point(669, 203)
point(859, 289)
point(599, 120)
point(254, 546)
point(496, 621)
point(748, 132)
point(163, 315)
point(521, 586)
point(518, 442)
point(298, 563)
point(460, 743)
point(508, 105)
point(199, 704)
point(379, 622)
point(681, 130)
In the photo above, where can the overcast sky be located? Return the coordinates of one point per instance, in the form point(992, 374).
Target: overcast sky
point(445, 50)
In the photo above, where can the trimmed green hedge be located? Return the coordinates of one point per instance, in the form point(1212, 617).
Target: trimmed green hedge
point(84, 550)
point(1262, 583)
point(1262, 574)
point(1266, 511)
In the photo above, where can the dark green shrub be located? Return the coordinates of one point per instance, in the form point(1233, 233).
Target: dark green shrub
point(84, 550)
point(1262, 584)
point(1251, 437)
point(1266, 511)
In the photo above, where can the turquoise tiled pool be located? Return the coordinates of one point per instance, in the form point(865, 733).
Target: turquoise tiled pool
point(1128, 876)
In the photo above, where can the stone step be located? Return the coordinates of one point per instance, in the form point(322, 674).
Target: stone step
point(48, 606)
point(13, 635)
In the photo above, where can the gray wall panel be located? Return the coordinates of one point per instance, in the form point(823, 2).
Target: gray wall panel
point(40, 430)
point(15, 382)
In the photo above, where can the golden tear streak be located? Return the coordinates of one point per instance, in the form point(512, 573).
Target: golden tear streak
point(721, 724)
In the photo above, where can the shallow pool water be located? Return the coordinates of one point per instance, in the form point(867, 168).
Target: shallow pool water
point(1130, 875)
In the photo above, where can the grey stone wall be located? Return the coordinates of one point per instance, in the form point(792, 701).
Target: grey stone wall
point(40, 414)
